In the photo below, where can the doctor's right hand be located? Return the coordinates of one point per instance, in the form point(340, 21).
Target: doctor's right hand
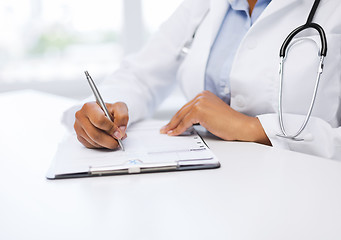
point(95, 130)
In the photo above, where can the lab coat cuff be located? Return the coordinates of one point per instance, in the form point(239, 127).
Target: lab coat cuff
point(271, 127)
point(68, 118)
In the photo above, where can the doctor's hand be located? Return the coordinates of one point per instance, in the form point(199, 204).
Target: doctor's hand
point(95, 130)
point(218, 118)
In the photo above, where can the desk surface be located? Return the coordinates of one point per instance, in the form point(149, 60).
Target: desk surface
point(258, 193)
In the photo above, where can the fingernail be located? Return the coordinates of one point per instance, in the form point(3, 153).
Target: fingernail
point(169, 132)
point(162, 130)
point(117, 135)
point(123, 128)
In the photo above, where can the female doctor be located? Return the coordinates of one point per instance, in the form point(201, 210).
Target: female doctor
point(225, 55)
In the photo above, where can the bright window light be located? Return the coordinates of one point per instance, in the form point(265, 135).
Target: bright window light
point(156, 12)
point(56, 40)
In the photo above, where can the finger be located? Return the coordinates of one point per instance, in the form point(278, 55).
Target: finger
point(98, 136)
point(96, 115)
point(176, 119)
point(184, 111)
point(186, 122)
point(85, 142)
point(82, 134)
point(99, 120)
point(125, 136)
point(120, 117)
point(120, 114)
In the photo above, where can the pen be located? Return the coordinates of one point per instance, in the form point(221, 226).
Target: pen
point(100, 101)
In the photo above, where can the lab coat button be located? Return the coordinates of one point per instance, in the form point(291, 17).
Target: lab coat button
point(226, 90)
point(239, 101)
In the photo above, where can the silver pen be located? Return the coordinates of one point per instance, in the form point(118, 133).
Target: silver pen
point(100, 101)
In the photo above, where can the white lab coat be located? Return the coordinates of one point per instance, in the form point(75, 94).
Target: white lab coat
point(144, 79)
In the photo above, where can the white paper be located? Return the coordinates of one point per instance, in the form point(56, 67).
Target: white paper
point(144, 144)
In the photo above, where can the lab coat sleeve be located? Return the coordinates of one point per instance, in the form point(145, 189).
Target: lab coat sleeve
point(320, 138)
point(144, 79)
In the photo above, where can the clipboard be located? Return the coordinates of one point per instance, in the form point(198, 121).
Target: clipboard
point(146, 151)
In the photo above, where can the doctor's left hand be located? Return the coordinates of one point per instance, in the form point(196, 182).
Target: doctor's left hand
point(218, 118)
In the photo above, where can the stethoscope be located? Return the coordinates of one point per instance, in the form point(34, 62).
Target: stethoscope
point(188, 44)
point(284, 49)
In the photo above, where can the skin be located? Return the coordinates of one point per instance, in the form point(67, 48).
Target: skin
point(252, 4)
point(227, 123)
point(95, 130)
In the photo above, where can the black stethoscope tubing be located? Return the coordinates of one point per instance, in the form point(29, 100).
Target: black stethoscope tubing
point(283, 51)
point(308, 24)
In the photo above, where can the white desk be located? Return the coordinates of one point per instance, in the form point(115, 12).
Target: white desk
point(258, 193)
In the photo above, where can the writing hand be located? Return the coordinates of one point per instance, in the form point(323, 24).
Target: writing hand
point(95, 130)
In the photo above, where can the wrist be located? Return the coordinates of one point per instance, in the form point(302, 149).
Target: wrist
point(256, 132)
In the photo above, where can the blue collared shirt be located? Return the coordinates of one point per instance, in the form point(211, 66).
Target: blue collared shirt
point(236, 23)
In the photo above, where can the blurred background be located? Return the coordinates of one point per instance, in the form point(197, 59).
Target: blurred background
point(46, 45)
